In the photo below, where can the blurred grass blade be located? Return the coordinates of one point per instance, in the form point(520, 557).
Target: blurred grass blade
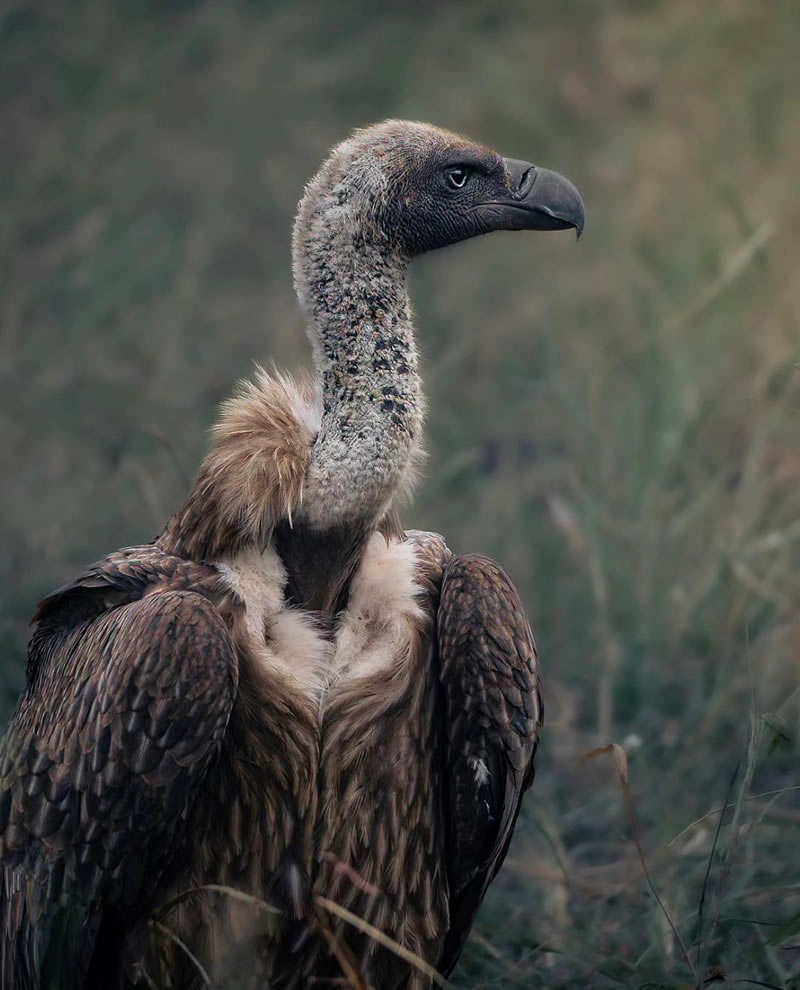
point(621, 764)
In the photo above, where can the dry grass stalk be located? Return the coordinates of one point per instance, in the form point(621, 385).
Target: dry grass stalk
point(185, 949)
point(399, 950)
point(621, 764)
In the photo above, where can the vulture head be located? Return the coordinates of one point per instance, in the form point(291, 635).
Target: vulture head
point(385, 195)
point(404, 188)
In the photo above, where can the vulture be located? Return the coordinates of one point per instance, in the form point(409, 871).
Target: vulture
point(285, 743)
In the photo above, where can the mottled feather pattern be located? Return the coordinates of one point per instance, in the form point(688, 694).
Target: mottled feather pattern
point(381, 837)
point(350, 279)
point(97, 782)
point(493, 707)
point(401, 850)
point(252, 832)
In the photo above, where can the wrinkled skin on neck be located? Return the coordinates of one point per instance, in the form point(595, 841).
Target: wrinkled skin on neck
point(351, 281)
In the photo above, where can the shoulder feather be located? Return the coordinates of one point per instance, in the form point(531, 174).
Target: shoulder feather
point(254, 474)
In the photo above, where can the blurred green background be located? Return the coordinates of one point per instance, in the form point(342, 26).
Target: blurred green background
point(616, 421)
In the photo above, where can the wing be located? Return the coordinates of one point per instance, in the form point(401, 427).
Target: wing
point(124, 710)
point(493, 716)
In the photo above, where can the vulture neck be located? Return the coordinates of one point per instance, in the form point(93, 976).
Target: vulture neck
point(354, 292)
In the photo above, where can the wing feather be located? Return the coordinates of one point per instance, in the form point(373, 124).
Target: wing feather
point(490, 676)
point(125, 708)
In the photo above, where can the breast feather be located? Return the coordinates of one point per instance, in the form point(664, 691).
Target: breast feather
point(384, 611)
point(285, 641)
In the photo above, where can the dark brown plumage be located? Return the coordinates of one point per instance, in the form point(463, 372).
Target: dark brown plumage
point(426, 805)
point(493, 713)
point(135, 676)
point(286, 700)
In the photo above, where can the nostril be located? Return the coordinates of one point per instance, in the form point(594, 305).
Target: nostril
point(526, 181)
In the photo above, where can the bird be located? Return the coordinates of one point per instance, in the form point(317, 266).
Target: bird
point(288, 723)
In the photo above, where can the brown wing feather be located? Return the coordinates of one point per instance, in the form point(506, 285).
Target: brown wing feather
point(122, 714)
point(493, 706)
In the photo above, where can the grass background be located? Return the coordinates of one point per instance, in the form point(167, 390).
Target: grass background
point(617, 422)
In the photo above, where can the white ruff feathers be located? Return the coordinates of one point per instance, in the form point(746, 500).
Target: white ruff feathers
point(376, 630)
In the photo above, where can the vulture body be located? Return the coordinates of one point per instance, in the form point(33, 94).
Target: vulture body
point(286, 700)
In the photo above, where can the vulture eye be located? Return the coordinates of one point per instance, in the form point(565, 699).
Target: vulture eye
point(457, 177)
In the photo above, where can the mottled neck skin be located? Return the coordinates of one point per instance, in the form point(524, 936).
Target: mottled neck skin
point(351, 282)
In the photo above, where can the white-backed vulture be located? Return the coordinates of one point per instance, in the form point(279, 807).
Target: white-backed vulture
point(285, 695)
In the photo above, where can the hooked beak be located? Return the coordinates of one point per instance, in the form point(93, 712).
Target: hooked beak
point(538, 199)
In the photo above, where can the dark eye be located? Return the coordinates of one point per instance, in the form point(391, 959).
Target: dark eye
point(457, 177)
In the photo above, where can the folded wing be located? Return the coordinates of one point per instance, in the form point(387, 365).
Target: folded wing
point(127, 700)
point(493, 707)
